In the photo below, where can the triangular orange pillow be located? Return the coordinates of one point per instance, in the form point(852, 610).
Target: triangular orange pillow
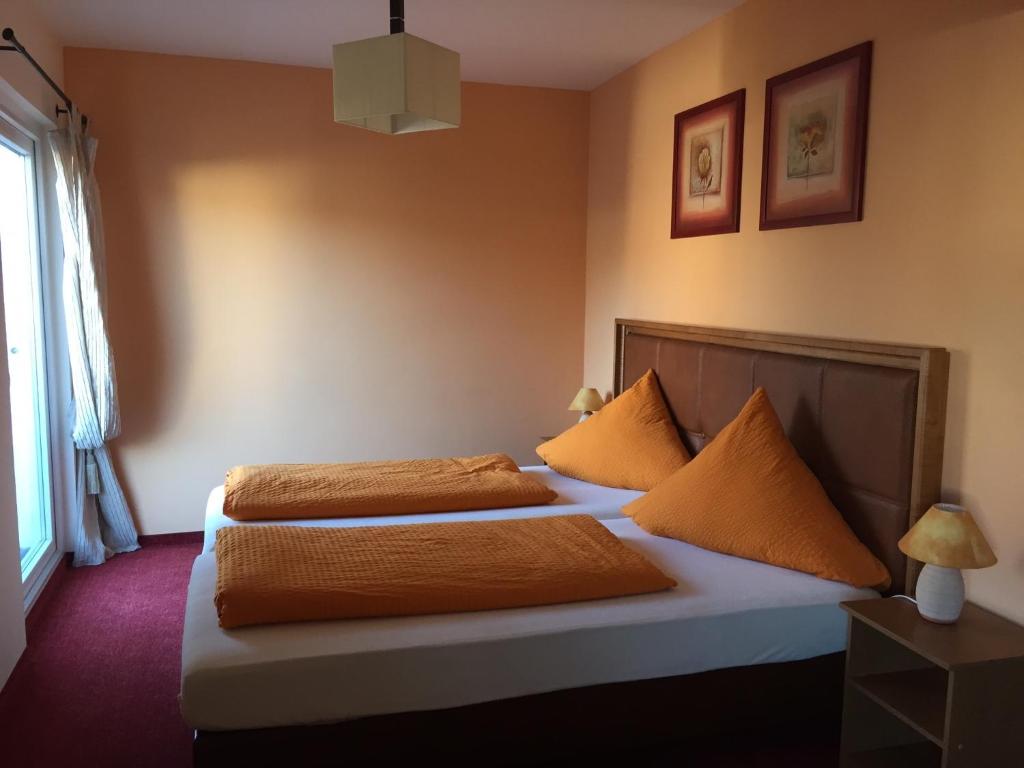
point(630, 443)
point(749, 494)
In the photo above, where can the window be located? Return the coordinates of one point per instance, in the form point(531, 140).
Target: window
point(22, 295)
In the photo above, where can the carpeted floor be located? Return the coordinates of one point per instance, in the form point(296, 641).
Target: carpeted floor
point(97, 686)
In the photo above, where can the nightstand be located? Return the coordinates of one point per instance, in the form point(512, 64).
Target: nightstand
point(924, 695)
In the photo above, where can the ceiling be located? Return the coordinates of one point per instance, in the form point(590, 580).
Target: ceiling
point(553, 43)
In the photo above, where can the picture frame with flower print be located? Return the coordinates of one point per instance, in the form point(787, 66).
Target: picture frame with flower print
point(815, 141)
point(707, 166)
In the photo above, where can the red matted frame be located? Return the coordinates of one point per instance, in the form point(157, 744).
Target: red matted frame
point(732, 106)
point(857, 145)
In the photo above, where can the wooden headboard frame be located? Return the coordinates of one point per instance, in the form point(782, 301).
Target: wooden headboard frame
point(931, 365)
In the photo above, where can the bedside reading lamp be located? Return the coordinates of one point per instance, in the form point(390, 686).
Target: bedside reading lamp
point(587, 400)
point(946, 539)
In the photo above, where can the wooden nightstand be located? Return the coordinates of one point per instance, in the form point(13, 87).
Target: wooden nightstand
point(923, 695)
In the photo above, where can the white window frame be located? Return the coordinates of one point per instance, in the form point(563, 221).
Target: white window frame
point(20, 113)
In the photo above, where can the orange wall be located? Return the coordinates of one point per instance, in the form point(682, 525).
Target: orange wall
point(938, 259)
point(282, 288)
point(45, 47)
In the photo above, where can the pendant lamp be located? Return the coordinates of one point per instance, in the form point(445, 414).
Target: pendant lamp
point(398, 83)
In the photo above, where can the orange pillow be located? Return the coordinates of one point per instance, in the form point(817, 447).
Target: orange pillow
point(749, 494)
point(630, 443)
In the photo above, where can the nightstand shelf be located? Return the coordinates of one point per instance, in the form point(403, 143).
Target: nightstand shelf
point(923, 695)
point(916, 696)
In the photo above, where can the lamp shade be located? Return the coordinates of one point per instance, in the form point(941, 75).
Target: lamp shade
point(948, 536)
point(397, 83)
point(587, 399)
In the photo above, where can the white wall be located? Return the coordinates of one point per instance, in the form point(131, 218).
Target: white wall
point(12, 610)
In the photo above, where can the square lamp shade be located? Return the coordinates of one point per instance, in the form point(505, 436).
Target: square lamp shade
point(397, 83)
point(946, 539)
point(587, 399)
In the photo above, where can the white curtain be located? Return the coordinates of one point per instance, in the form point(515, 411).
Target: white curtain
point(102, 523)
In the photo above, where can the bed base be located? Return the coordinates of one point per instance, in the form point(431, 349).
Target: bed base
point(797, 702)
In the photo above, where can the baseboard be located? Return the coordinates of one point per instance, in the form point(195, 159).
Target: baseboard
point(162, 539)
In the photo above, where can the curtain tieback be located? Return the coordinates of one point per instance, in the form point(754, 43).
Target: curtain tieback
point(92, 474)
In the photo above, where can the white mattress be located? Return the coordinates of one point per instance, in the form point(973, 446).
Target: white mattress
point(725, 612)
point(575, 497)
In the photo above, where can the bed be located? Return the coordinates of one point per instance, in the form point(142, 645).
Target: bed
point(728, 612)
point(575, 497)
point(739, 648)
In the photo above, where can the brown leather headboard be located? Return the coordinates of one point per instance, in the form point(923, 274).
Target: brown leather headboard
point(868, 419)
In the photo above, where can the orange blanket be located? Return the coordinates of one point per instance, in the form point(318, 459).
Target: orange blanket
point(374, 488)
point(280, 573)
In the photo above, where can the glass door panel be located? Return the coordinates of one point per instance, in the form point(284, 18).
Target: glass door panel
point(22, 296)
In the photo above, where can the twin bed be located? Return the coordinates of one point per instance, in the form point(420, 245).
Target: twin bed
point(736, 641)
point(574, 498)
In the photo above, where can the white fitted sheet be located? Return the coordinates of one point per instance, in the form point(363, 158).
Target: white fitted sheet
point(575, 497)
point(726, 612)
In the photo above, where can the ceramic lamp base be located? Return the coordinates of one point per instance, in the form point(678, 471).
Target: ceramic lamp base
point(940, 593)
point(584, 416)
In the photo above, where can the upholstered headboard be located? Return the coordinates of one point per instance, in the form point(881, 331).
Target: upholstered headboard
point(868, 419)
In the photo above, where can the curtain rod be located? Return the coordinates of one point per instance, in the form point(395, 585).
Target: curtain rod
point(15, 45)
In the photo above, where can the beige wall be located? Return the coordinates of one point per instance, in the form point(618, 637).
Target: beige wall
point(286, 289)
point(938, 259)
point(45, 48)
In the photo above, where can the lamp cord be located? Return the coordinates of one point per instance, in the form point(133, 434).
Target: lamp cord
point(904, 597)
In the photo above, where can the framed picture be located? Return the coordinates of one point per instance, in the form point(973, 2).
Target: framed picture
point(815, 135)
point(706, 166)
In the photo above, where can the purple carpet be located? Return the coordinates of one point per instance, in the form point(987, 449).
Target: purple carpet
point(98, 684)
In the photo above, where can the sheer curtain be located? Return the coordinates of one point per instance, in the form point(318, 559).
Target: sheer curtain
point(102, 523)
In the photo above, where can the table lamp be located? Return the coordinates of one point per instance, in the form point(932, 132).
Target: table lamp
point(946, 539)
point(587, 400)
